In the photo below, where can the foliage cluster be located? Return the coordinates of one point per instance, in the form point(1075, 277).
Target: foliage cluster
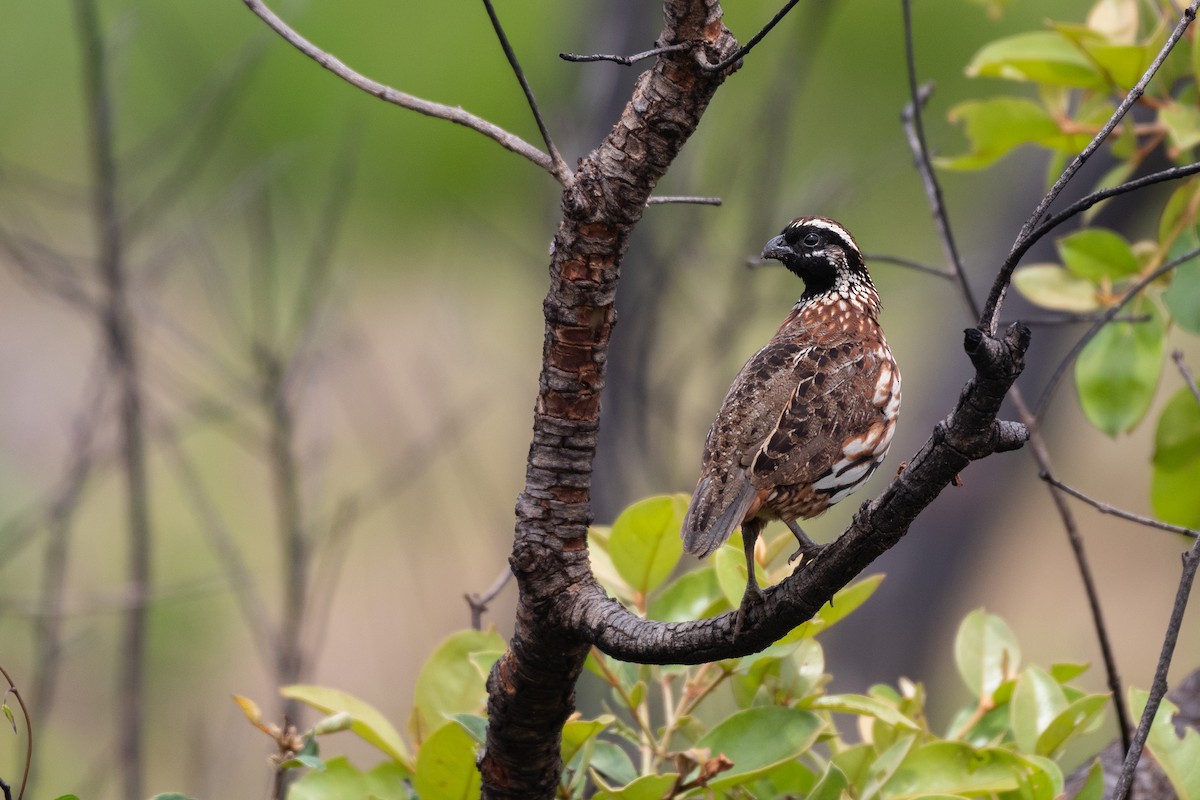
point(1080, 73)
point(761, 726)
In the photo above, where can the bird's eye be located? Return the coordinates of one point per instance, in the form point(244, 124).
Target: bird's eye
point(812, 240)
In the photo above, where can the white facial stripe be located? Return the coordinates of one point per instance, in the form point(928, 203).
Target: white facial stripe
point(828, 225)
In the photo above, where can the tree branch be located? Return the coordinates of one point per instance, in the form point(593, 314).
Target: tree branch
point(531, 687)
point(561, 171)
point(458, 116)
point(1158, 688)
point(1105, 508)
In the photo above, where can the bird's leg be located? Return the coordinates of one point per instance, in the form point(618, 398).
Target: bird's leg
point(753, 594)
point(808, 548)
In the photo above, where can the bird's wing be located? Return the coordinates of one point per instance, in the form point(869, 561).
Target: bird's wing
point(748, 415)
point(832, 402)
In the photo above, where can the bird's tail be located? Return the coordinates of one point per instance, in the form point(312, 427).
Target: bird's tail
point(714, 512)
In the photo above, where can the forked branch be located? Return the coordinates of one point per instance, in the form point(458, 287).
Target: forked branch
point(458, 116)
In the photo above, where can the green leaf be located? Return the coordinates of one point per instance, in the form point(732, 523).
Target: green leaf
point(1064, 672)
point(577, 732)
point(1051, 286)
point(1093, 787)
point(647, 787)
point(883, 769)
point(1182, 297)
point(693, 595)
point(645, 544)
point(1037, 56)
point(1070, 722)
point(612, 762)
point(985, 652)
point(474, 724)
point(757, 739)
point(1182, 123)
point(1176, 461)
point(602, 565)
point(368, 724)
point(450, 682)
point(1036, 701)
point(8, 715)
point(340, 780)
point(954, 768)
point(446, 766)
point(832, 786)
point(1121, 62)
point(999, 125)
point(1178, 756)
point(864, 706)
point(1097, 254)
point(844, 602)
point(1117, 372)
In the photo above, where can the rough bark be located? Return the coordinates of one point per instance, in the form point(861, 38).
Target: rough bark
point(531, 688)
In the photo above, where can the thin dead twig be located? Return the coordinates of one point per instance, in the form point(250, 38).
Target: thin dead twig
point(1105, 508)
point(458, 116)
point(627, 61)
point(1158, 688)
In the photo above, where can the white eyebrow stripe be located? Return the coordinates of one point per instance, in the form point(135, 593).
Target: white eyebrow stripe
point(828, 225)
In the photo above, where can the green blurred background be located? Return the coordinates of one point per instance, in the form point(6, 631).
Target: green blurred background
point(242, 164)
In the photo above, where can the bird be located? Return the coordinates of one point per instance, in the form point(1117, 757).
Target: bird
point(810, 416)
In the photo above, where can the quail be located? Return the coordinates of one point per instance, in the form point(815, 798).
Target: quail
point(810, 415)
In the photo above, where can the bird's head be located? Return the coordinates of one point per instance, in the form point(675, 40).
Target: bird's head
point(822, 253)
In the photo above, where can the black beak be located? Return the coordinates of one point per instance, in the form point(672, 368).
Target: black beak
point(778, 249)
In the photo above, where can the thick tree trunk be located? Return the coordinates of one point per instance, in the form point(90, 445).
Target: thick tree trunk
point(531, 689)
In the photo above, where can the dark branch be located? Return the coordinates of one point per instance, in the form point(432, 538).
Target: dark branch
point(914, 128)
point(908, 263)
point(627, 61)
point(729, 61)
point(1105, 508)
point(561, 170)
point(1177, 357)
point(478, 603)
point(1159, 687)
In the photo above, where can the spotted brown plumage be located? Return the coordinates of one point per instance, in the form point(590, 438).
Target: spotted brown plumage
point(811, 415)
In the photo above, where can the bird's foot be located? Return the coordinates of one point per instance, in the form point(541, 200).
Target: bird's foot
point(808, 548)
point(754, 596)
point(810, 552)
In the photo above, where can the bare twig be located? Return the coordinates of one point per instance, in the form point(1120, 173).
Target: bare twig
point(628, 61)
point(1177, 357)
point(991, 309)
point(561, 170)
point(1159, 687)
point(507, 140)
point(12, 689)
point(1109, 314)
point(908, 263)
point(116, 320)
point(914, 129)
point(737, 56)
point(478, 603)
point(1105, 508)
point(1066, 318)
point(686, 199)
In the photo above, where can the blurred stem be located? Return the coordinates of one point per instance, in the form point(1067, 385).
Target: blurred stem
point(117, 325)
point(294, 548)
